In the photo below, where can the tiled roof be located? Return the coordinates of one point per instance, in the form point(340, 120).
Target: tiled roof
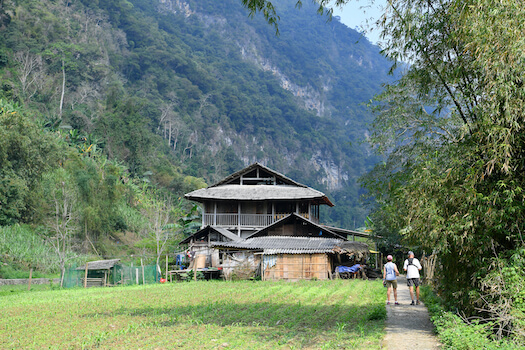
point(257, 193)
point(285, 244)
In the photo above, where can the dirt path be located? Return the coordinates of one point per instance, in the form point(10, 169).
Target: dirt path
point(408, 327)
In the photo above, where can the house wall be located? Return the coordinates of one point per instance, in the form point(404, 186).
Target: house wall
point(293, 229)
point(297, 267)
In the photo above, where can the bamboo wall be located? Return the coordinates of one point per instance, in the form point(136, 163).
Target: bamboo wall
point(299, 267)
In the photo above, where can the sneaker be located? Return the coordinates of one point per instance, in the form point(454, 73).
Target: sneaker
point(417, 302)
point(397, 303)
point(388, 303)
point(412, 303)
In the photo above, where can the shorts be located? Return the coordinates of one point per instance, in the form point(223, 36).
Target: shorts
point(391, 284)
point(413, 282)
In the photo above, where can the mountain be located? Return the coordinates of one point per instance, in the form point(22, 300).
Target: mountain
point(199, 88)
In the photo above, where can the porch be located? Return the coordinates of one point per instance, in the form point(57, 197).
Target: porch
point(247, 220)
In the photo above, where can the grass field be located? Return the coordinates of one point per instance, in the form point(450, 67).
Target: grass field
point(198, 315)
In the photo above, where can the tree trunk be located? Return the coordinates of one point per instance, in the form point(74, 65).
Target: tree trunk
point(63, 89)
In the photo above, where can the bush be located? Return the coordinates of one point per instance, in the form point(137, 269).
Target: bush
point(457, 334)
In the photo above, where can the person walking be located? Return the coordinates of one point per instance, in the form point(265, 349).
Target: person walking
point(412, 267)
point(390, 273)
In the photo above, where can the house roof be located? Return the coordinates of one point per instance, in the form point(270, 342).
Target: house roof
point(318, 229)
point(249, 168)
point(284, 244)
point(258, 193)
point(359, 250)
point(206, 230)
point(99, 264)
point(267, 184)
point(345, 232)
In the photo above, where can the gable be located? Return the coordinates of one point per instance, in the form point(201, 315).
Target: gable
point(257, 174)
point(215, 234)
point(294, 225)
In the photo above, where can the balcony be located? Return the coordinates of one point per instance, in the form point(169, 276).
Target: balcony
point(245, 220)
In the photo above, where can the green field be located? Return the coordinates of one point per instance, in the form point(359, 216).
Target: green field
point(198, 315)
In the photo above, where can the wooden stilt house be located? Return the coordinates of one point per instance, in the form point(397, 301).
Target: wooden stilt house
point(261, 221)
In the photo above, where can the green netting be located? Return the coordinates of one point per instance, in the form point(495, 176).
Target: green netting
point(118, 275)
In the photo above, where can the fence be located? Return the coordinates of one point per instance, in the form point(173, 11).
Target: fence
point(118, 275)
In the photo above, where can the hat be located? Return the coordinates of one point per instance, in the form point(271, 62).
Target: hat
point(410, 253)
point(389, 257)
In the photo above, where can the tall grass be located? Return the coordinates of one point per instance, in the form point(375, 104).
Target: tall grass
point(21, 245)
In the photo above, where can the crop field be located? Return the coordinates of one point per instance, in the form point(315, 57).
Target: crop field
point(344, 314)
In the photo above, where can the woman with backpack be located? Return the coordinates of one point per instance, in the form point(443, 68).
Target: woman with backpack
point(390, 273)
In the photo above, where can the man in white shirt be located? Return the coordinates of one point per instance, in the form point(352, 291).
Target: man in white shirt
point(412, 267)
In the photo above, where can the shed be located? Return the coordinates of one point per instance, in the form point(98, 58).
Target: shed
point(99, 272)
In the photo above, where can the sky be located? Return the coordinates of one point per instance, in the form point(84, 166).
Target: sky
point(361, 15)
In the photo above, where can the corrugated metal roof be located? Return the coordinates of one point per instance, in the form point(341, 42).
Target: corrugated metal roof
point(257, 193)
point(285, 244)
point(100, 264)
point(346, 232)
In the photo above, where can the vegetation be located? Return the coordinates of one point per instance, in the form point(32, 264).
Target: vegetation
point(459, 333)
point(452, 132)
point(69, 194)
point(262, 315)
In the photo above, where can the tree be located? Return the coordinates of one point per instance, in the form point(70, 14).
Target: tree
point(159, 213)
point(25, 154)
point(63, 220)
point(452, 129)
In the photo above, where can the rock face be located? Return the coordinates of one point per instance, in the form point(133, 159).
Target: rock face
point(329, 71)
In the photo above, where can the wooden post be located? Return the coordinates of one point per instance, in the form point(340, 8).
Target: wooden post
point(105, 278)
point(142, 265)
point(195, 267)
point(239, 217)
point(30, 277)
point(137, 275)
point(85, 275)
point(166, 267)
point(214, 214)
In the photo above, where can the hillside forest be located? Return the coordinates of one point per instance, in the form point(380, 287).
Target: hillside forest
point(112, 110)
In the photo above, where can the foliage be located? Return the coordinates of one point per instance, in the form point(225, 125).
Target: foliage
point(21, 245)
point(245, 314)
point(25, 154)
point(457, 333)
point(452, 128)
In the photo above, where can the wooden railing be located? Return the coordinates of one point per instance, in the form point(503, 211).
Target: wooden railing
point(247, 220)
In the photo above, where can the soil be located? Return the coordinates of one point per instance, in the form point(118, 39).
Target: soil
point(407, 326)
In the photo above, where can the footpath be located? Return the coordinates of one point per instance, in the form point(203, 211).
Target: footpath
point(407, 326)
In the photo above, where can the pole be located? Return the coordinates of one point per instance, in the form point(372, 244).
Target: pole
point(137, 275)
point(142, 265)
point(30, 276)
point(166, 267)
point(85, 275)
